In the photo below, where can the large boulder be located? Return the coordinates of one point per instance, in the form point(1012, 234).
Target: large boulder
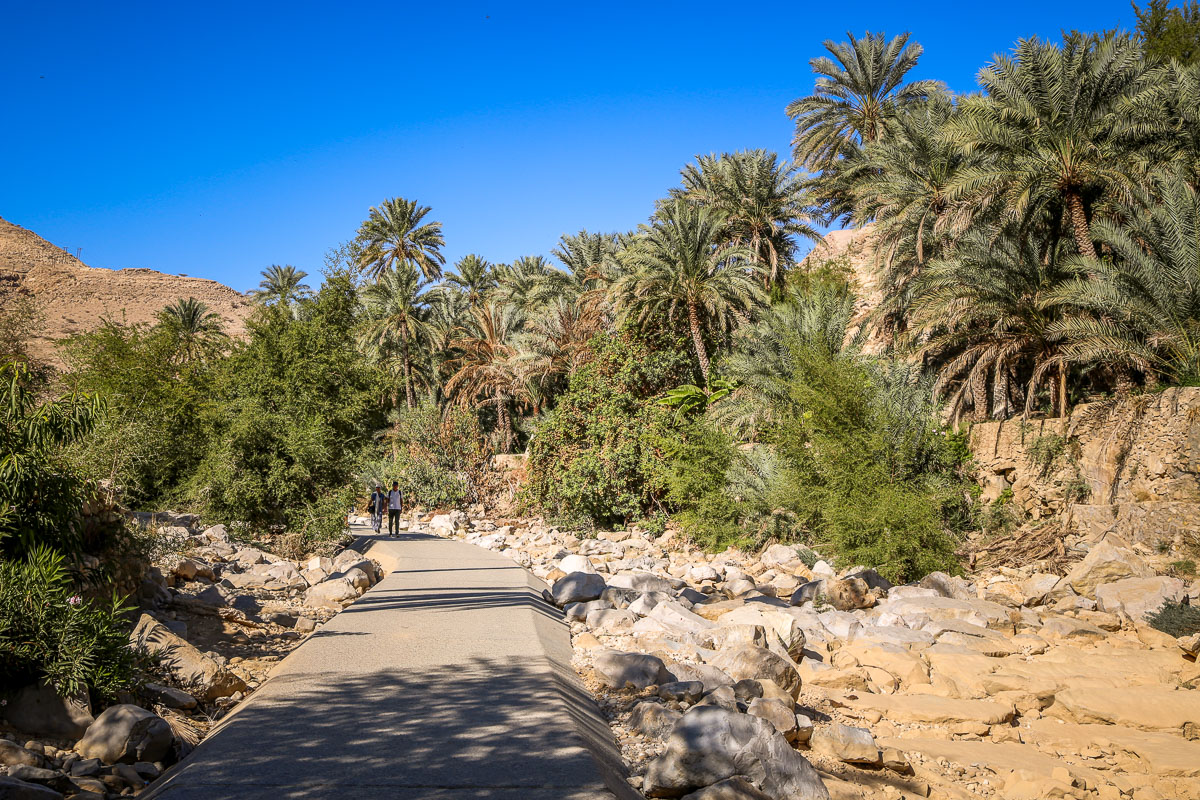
point(204, 678)
point(849, 594)
point(335, 593)
point(845, 743)
point(736, 788)
point(711, 744)
point(1138, 597)
point(127, 733)
point(784, 627)
point(39, 710)
point(620, 670)
point(13, 755)
point(1110, 560)
point(13, 789)
point(640, 582)
point(757, 663)
point(577, 587)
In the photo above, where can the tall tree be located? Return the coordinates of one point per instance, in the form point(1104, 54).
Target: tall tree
point(1050, 125)
point(858, 95)
point(1170, 33)
point(395, 232)
point(1139, 305)
point(195, 327)
point(764, 205)
point(484, 368)
point(682, 276)
point(284, 285)
point(396, 320)
point(474, 277)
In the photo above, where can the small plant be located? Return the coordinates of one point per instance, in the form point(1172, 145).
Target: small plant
point(1076, 489)
point(1176, 619)
point(1045, 451)
point(1185, 567)
point(808, 556)
point(655, 524)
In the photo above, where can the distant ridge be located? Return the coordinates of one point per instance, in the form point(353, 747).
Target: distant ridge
point(73, 297)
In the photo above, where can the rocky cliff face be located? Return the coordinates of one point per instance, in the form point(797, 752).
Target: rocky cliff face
point(852, 251)
point(73, 297)
point(1132, 468)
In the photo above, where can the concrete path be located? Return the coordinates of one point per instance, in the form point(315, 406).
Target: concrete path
point(451, 678)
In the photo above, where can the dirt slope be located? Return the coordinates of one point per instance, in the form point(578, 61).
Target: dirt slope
point(73, 297)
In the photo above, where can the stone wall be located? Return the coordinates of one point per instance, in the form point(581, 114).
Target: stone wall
point(1131, 467)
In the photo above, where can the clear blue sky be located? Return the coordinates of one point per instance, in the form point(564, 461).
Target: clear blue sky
point(214, 139)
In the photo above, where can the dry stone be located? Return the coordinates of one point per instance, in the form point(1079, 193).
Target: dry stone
point(1109, 560)
point(1138, 597)
point(755, 663)
point(620, 670)
point(13, 789)
point(736, 788)
point(38, 709)
point(335, 593)
point(577, 587)
point(711, 744)
point(204, 677)
point(127, 733)
point(845, 743)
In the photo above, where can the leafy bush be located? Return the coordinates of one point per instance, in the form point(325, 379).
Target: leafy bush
point(296, 408)
point(594, 453)
point(40, 491)
point(869, 472)
point(1176, 619)
point(157, 408)
point(1045, 451)
point(439, 460)
point(49, 632)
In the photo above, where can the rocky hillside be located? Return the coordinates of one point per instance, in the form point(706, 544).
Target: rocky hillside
point(853, 251)
point(73, 297)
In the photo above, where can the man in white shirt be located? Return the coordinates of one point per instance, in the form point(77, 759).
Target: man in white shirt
point(395, 503)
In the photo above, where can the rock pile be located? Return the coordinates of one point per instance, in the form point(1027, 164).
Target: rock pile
point(737, 676)
point(217, 616)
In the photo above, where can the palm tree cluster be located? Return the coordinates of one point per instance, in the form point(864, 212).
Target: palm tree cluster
point(504, 338)
point(1036, 241)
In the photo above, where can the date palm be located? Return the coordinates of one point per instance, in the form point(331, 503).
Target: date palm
point(989, 327)
point(1050, 126)
point(763, 201)
point(396, 321)
point(682, 277)
point(908, 200)
point(195, 328)
point(1140, 305)
point(859, 93)
point(396, 233)
point(528, 283)
point(591, 262)
point(484, 369)
point(283, 285)
point(554, 342)
point(474, 277)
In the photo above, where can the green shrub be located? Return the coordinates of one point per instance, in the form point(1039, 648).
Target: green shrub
point(41, 492)
point(1175, 619)
point(595, 452)
point(1045, 451)
point(49, 632)
point(440, 460)
point(1185, 567)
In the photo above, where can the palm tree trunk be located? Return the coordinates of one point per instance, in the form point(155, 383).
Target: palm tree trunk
point(1062, 390)
point(698, 340)
point(409, 397)
point(1083, 233)
point(506, 424)
point(979, 395)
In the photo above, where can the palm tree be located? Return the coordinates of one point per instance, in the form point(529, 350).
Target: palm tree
point(484, 368)
point(195, 328)
point(858, 96)
point(283, 285)
point(1140, 306)
point(763, 202)
point(395, 233)
point(908, 200)
point(474, 277)
point(396, 314)
point(680, 275)
point(591, 262)
point(1163, 118)
point(555, 342)
point(762, 365)
point(990, 328)
point(528, 283)
point(1050, 124)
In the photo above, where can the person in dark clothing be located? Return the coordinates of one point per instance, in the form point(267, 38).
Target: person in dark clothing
point(395, 503)
point(376, 506)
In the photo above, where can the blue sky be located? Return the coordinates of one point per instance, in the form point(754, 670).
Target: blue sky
point(214, 139)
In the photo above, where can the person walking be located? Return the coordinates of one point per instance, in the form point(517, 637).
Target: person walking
point(395, 502)
point(376, 505)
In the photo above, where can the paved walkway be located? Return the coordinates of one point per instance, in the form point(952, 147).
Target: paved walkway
point(449, 679)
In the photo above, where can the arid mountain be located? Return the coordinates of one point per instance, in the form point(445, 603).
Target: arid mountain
point(73, 297)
